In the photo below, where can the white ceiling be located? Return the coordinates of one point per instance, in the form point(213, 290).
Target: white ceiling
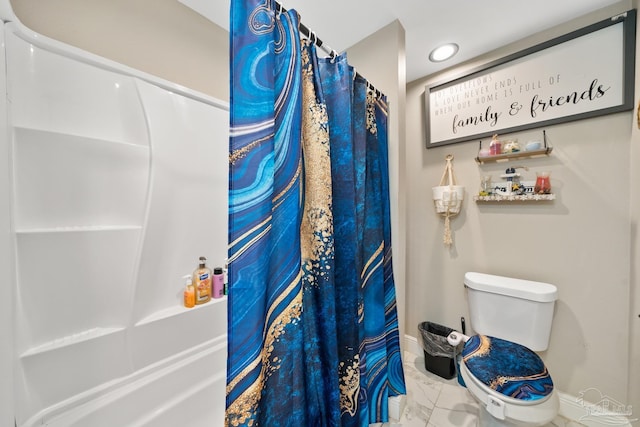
point(478, 26)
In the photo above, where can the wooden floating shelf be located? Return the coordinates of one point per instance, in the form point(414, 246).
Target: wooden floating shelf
point(515, 198)
point(517, 155)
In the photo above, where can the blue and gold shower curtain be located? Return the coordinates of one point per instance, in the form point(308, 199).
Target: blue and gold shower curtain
point(312, 323)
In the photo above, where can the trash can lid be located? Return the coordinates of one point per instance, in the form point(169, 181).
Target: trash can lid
point(508, 368)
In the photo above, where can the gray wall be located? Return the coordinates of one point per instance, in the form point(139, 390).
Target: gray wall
point(581, 242)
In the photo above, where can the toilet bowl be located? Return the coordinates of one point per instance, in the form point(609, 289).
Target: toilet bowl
point(513, 388)
point(499, 366)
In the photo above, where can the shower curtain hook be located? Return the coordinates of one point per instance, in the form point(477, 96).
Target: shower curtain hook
point(372, 89)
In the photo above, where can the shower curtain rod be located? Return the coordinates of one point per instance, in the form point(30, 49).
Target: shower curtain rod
point(311, 35)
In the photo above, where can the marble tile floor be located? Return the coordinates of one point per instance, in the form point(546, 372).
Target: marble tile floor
point(433, 401)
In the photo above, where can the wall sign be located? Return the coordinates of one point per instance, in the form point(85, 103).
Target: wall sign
point(586, 73)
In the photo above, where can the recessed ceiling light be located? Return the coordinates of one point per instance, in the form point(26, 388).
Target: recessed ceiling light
point(443, 52)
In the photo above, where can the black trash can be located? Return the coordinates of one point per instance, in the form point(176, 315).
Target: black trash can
point(439, 356)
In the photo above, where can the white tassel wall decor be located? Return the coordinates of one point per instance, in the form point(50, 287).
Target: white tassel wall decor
point(447, 198)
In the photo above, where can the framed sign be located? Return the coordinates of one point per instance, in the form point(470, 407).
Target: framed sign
point(586, 73)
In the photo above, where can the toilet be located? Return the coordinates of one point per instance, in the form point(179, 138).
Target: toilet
point(499, 366)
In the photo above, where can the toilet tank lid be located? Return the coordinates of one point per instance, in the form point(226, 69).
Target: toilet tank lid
point(524, 289)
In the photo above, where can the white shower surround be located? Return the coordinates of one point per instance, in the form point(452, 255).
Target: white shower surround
point(119, 184)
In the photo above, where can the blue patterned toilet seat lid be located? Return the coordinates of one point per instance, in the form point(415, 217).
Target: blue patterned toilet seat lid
point(508, 368)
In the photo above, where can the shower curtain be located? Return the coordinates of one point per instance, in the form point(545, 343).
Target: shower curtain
point(312, 328)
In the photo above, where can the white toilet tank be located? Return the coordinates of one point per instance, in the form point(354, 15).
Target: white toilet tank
point(516, 310)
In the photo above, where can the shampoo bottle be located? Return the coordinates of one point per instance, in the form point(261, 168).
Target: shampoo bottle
point(218, 283)
point(202, 282)
point(189, 292)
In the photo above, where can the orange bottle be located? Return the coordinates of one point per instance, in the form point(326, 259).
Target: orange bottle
point(189, 292)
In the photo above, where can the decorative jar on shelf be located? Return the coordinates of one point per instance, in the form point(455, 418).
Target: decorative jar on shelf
point(495, 146)
point(543, 183)
point(485, 186)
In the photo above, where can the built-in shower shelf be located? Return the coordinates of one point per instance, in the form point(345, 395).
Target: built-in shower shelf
point(70, 340)
point(79, 229)
point(177, 310)
point(516, 198)
point(45, 136)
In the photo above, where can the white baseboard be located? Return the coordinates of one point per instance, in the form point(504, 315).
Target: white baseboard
point(571, 407)
point(589, 414)
point(411, 345)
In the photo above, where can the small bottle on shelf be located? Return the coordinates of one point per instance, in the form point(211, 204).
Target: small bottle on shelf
point(189, 292)
point(218, 283)
point(225, 274)
point(202, 282)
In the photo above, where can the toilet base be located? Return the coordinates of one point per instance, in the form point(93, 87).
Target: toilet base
point(485, 419)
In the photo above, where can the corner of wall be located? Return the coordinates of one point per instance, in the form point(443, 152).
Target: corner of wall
point(633, 391)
